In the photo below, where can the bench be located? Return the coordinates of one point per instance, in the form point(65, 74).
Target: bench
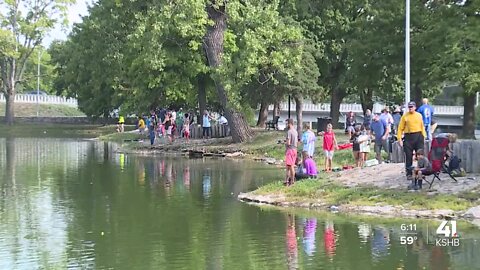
point(272, 123)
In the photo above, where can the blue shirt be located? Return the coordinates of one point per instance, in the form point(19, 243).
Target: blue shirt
point(379, 128)
point(308, 140)
point(427, 112)
point(206, 121)
point(396, 118)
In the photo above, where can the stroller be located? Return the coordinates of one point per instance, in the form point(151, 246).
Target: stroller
point(437, 156)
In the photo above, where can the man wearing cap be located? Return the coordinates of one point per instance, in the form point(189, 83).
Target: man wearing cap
point(411, 125)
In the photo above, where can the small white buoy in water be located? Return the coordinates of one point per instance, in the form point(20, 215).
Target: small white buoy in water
point(102, 233)
point(44, 132)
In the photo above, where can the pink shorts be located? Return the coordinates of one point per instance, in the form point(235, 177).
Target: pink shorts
point(291, 157)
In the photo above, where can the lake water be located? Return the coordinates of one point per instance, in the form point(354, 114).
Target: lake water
point(77, 204)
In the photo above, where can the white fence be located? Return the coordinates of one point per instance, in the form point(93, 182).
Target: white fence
point(43, 99)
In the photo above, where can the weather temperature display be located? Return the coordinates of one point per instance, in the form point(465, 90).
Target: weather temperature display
point(408, 234)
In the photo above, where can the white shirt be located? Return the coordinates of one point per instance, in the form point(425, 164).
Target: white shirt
point(174, 116)
point(222, 120)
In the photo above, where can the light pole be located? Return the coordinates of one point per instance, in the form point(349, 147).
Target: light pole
point(289, 100)
point(407, 52)
point(38, 79)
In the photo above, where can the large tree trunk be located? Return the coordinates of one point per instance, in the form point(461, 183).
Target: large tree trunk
point(213, 45)
point(337, 97)
point(202, 96)
point(10, 109)
point(366, 98)
point(417, 94)
point(469, 115)
point(299, 111)
point(262, 113)
point(9, 77)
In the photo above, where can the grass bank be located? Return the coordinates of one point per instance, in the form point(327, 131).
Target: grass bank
point(330, 193)
point(45, 110)
point(125, 137)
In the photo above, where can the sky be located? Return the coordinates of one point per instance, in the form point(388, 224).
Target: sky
point(75, 13)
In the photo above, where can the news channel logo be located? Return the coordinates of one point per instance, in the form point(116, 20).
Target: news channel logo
point(447, 235)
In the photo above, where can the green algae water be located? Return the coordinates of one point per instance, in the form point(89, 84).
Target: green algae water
point(77, 204)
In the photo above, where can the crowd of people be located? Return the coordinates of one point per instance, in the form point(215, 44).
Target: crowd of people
point(410, 128)
point(171, 124)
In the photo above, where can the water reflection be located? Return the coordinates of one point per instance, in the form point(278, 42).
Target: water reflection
point(186, 177)
point(291, 243)
point(380, 242)
point(364, 231)
point(329, 239)
point(79, 204)
point(206, 184)
point(309, 231)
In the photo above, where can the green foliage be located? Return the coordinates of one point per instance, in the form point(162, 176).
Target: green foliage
point(459, 39)
point(140, 54)
point(24, 25)
point(47, 73)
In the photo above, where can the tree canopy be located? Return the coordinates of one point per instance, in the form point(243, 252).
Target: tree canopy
point(24, 24)
point(142, 54)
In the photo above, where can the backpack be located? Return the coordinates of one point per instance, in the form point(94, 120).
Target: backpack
point(454, 163)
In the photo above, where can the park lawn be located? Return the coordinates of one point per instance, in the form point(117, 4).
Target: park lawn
point(327, 191)
point(45, 110)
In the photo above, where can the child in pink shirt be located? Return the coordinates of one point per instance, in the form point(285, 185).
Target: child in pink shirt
point(329, 144)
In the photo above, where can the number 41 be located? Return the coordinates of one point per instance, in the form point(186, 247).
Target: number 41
point(445, 229)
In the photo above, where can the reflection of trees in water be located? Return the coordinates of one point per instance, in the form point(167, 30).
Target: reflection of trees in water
point(34, 231)
point(181, 222)
point(31, 152)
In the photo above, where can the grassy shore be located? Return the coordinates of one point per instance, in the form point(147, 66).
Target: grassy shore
point(47, 110)
point(327, 192)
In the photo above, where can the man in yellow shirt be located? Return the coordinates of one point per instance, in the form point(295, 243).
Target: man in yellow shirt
point(411, 125)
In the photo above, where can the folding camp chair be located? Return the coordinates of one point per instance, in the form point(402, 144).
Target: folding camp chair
point(438, 156)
